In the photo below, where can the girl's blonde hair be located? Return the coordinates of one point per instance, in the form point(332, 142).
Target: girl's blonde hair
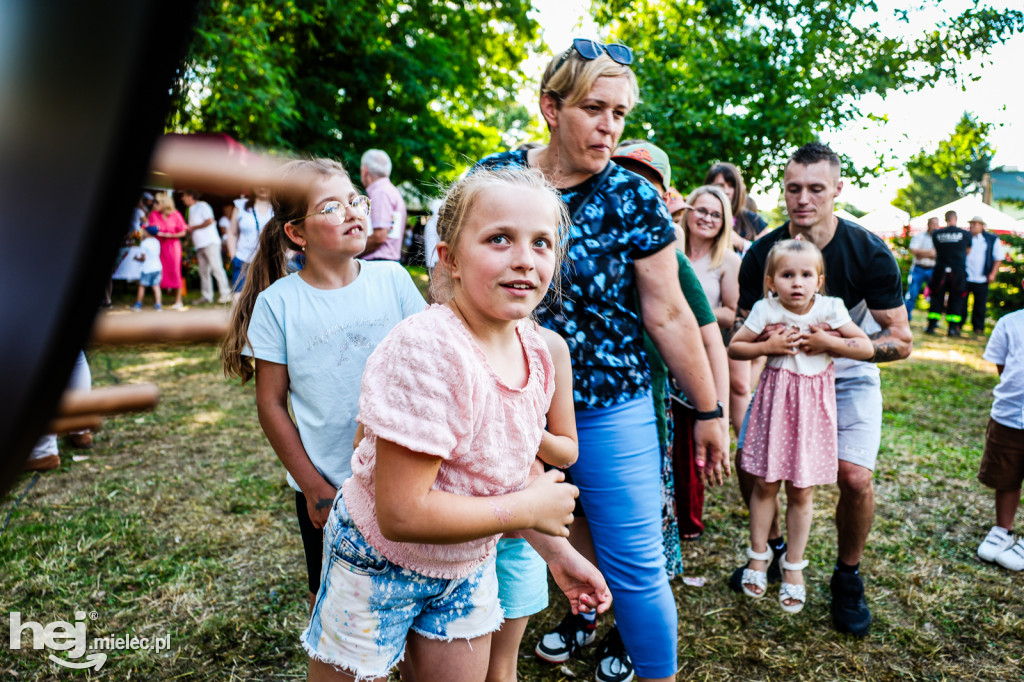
point(269, 263)
point(788, 247)
point(571, 80)
point(462, 197)
point(722, 241)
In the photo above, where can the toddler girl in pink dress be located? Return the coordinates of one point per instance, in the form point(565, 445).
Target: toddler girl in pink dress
point(791, 431)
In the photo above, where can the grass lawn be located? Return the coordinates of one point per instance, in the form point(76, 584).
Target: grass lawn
point(179, 522)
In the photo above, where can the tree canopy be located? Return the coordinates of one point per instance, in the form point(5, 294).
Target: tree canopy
point(434, 82)
point(954, 169)
point(421, 79)
point(746, 81)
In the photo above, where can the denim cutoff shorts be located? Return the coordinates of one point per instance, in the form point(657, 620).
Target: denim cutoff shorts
point(150, 279)
point(367, 605)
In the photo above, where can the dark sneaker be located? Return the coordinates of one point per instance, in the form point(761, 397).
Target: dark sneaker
point(613, 663)
point(774, 572)
point(561, 643)
point(954, 331)
point(849, 608)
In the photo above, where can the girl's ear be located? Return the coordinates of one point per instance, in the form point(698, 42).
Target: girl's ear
point(294, 232)
point(769, 284)
point(446, 256)
point(821, 283)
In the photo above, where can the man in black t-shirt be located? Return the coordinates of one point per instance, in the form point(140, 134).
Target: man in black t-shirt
point(949, 278)
point(861, 270)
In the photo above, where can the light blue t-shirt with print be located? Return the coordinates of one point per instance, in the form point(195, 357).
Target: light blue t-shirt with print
point(325, 337)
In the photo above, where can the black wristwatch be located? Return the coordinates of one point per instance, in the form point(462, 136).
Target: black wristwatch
point(710, 414)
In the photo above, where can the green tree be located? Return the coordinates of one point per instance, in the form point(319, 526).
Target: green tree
point(953, 170)
point(421, 79)
point(748, 80)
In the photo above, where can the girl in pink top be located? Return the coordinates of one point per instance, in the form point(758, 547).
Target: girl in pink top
point(454, 403)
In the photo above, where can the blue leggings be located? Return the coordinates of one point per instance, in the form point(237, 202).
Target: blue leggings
point(619, 477)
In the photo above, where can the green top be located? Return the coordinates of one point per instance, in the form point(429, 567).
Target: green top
point(698, 302)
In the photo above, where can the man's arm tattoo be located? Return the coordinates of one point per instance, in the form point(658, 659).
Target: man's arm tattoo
point(324, 503)
point(886, 349)
point(741, 317)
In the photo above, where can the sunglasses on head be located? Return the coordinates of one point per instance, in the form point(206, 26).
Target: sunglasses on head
point(590, 50)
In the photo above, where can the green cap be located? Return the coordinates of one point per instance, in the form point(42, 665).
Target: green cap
point(649, 155)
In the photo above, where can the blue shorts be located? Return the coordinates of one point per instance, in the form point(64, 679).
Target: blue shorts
point(858, 420)
point(367, 605)
point(522, 579)
point(619, 477)
point(150, 279)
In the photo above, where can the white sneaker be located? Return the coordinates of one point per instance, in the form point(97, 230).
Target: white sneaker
point(1013, 558)
point(996, 542)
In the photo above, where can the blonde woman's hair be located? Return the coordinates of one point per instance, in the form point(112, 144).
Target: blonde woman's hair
point(723, 239)
point(787, 247)
point(162, 201)
point(269, 263)
point(571, 81)
point(463, 197)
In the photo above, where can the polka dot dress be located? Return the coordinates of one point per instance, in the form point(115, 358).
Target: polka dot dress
point(791, 435)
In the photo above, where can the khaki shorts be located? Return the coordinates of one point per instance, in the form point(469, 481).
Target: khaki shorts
point(1002, 464)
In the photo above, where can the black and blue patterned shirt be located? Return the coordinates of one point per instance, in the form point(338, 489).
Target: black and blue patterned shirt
point(623, 221)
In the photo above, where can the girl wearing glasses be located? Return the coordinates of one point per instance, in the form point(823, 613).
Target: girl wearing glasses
point(708, 246)
point(307, 336)
point(619, 253)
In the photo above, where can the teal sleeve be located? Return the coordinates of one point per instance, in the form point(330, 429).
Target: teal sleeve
point(694, 292)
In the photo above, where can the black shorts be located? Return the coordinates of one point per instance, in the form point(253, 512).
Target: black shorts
point(312, 543)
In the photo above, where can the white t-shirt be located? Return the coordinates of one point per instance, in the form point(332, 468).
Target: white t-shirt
point(922, 242)
point(1006, 347)
point(249, 226)
point(151, 250)
point(825, 310)
point(976, 258)
point(325, 337)
point(198, 213)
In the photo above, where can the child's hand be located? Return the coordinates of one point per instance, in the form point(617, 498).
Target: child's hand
point(551, 502)
point(783, 341)
point(581, 582)
point(820, 339)
point(319, 503)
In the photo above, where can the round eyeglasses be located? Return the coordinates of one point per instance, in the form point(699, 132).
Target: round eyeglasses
point(704, 213)
point(335, 210)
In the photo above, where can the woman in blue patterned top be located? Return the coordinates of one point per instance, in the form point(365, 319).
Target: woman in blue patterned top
point(618, 262)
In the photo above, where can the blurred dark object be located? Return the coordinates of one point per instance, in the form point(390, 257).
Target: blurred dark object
point(84, 92)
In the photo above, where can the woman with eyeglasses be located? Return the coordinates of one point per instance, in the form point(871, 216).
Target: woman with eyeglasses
point(307, 336)
point(708, 245)
point(620, 257)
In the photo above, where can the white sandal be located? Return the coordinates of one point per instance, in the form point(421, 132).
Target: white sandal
point(756, 578)
point(797, 593)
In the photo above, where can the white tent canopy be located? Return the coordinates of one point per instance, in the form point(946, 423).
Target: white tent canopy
point(888, 221)
point(967, 208)
point(846, 215)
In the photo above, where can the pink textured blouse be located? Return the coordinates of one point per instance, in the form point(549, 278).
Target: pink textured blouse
point(429, 387)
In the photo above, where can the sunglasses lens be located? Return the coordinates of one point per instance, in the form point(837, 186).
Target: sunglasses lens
point(620, 53)
point(588, 49)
